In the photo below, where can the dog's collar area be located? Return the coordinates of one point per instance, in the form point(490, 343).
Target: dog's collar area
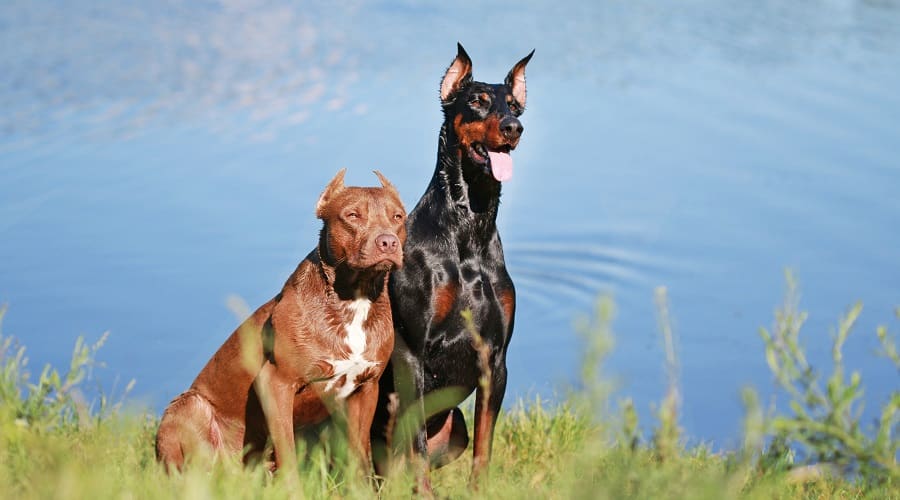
point(350, 284)
point(323, 270)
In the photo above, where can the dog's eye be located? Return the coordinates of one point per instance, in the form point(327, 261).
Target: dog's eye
point(353, 215)
point(480, 100)
point(398, 217)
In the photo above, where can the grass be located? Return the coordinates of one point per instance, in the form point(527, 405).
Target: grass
point(54, 445)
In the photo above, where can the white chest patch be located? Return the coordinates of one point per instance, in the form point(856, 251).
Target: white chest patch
point(349, 369)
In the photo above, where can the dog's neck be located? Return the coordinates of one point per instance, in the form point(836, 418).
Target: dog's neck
point(345, 282)
point(466, 187)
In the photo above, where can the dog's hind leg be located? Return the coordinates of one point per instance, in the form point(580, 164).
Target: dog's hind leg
point(188, 426)
point(448, 437)
point(409, 434)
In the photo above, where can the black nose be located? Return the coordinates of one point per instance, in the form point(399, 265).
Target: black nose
point(511, 127)
point(387, 243)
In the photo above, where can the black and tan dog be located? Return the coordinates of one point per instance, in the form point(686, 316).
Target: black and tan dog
point(319, 346)
point(453, 262)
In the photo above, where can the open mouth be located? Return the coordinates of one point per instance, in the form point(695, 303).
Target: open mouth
point(498, 160)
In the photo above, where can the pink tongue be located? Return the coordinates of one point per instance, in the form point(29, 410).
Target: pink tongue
point(501, 166)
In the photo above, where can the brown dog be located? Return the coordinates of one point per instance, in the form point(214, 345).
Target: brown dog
point(318, 347)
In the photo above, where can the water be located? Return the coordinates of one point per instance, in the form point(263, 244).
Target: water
point(156, 159)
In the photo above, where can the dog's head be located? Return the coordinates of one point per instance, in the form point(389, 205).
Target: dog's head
point(484, 117)
point(364, 227)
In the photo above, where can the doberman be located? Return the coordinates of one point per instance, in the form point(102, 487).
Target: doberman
point(319, 346)
point(453, 263)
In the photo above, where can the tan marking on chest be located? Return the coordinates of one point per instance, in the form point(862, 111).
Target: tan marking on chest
point(444, 298)
point(508, 303)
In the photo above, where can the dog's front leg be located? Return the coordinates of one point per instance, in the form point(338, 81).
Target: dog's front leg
point(409, 381)
point(488, 400)
point(276, 397)
point(360, 413)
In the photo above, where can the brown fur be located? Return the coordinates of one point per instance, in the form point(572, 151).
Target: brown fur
point(444, 298)
point(507, 300)
point(485, 131)
point(276, 372)
point(449, 440)
point(481, 448)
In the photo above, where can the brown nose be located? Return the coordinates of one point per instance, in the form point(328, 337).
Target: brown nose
point(387, 243)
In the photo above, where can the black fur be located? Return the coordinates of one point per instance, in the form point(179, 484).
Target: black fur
point(453, 244)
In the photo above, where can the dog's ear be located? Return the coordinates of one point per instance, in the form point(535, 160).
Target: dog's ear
point(331, 190)
point(458, 75)
point(516, 79)
point(386, 184)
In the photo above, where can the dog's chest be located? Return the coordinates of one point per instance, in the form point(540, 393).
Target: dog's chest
point(351, 367)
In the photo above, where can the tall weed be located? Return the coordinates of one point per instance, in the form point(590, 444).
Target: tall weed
point(824, 425)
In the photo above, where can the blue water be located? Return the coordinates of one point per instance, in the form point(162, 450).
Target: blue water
point(157, 159)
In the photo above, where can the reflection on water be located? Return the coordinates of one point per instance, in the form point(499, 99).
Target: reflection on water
point(122, 67)
point(158, 157)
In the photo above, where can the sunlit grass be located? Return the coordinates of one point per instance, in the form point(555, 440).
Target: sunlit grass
point(54, 445)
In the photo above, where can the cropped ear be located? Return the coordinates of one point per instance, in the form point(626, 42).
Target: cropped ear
point(331, 190)
point(386, 183)
point(458, 75)
point(516, 79)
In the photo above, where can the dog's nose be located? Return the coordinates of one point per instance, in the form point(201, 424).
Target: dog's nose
point(511, 127)
point(387, 243)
